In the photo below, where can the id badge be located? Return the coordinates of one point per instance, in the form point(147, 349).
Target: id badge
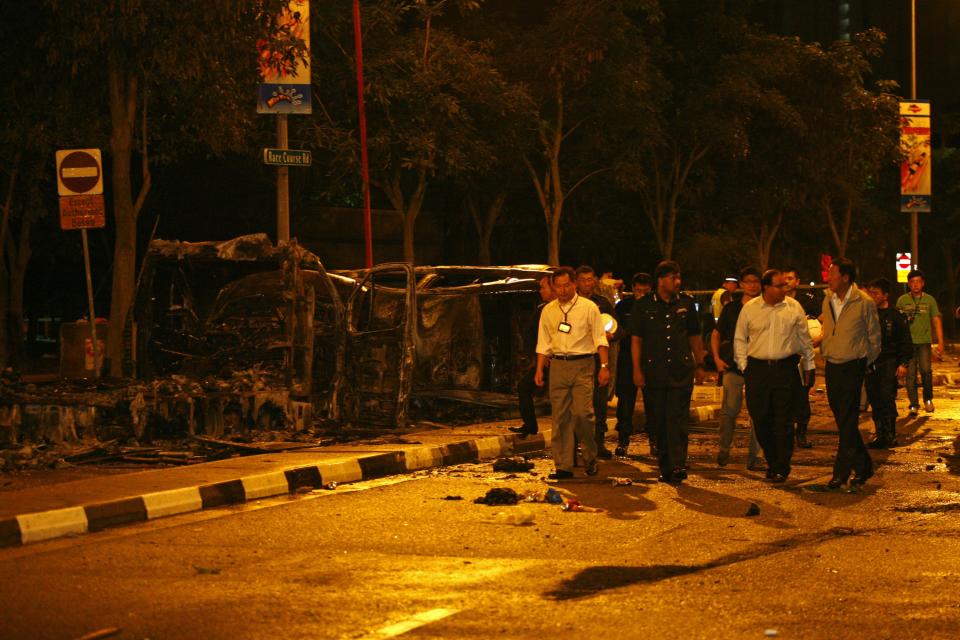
point(564, 328)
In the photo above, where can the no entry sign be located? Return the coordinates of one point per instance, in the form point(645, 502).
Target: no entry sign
point(904, 262)
point(79, 172)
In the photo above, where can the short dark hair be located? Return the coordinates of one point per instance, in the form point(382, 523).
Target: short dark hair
point(585, 268)
point(749, 271)
point(767, 278)
point(791, 269)
point(642, 277)
point(916, 273)
point(880, 283)
point(666, 268)
point(846, 268)
point(563, 271)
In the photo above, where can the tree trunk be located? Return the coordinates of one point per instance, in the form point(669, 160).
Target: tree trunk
point(949, 319)
point(17, 272)
point(553, 235)
point(123, 109)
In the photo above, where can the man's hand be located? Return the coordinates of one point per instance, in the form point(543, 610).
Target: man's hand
point(721, 365)
point(902, 371)
point(603, 376)
point(638, 378)
point(698, 374)
point(938, 350)
point(809, 378)
point(538, 377)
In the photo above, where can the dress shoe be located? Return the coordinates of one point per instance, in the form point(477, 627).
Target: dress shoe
point(835, 483)
point(803, 443)
point(928, 406)
point(559, 474)
point(603, 453)
point(778, 478)
point(523, 431)
point(680, 473)
point(592, 468)
point(620, 451)
point(754, 465)
point(669, 478)
point(722, 458)
point(913, 411)
point(879, 443)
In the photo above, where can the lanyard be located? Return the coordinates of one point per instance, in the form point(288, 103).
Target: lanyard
point(569, 309)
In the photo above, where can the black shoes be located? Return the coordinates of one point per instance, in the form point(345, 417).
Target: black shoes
point(881, 443)
point(835, 483)
point(592, 468)
point(859, 480)
point(559, 474)
point(523, 431)
point(603, 453)
point(680, 473)
point(803, 443)
point(778, 478)
point(620, 451)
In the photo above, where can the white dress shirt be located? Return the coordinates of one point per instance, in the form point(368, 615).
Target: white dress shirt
point(772, 332)
point(586, 329)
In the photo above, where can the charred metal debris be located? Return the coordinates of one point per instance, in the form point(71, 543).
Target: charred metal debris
point(241, 341)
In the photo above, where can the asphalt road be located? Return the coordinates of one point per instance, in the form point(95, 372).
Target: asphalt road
point(397, 558)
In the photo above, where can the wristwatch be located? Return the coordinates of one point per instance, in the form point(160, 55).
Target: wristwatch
point(603, 365)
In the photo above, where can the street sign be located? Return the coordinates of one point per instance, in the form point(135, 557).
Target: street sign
point(904, 262)
point(82, 212)
point(288, 157)
point(79, 172)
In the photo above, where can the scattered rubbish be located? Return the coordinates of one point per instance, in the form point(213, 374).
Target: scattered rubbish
point(553, 496)
point(304, 489)
point(575, 505)
point(770, 633)
point(513, 464)
point(454, 498)
point(620, 482)
point(330, 486)
point(753, 510)
point(931, 467)
point(207, 571)
point(100, 633)
point(499, 496)
point(930, 508)
point(939, 459)
point(519, 517)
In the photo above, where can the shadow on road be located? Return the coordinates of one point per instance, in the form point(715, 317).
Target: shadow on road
point(723, 506)
point(594, 580)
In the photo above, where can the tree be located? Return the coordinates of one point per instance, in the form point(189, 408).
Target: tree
point(194, 64)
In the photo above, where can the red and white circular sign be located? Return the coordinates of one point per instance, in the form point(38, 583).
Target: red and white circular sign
point(904, 262)
point(79, 172)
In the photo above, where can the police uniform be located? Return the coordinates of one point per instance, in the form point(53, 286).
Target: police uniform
point(601, 395)
point(896, 349)
point(800, 417)
point(668, 365)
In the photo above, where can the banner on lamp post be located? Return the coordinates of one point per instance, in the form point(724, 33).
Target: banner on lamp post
point(283, 62)
point(916, 185)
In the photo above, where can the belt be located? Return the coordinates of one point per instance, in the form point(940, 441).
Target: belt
point(571, 356)
point(794, 359)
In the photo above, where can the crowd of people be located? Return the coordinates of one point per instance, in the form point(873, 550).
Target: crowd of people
point(763, 346)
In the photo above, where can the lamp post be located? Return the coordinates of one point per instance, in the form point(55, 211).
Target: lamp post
point(914, 220)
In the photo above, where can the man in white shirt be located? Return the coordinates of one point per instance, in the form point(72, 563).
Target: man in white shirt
point(770, 340)
point(570, 333)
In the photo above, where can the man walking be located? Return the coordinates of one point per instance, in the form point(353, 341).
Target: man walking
point(721, 344)
point(570, 336)
point(851, 343)
point(527, 389)
point(811, 304)
point(770, 340)
point(626, 390)
point(896, 348)
point(716, 304)
point(667, 357)
point(924, 319)
point(586, 288)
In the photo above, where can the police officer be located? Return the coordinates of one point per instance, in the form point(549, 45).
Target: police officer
point(667, 355)
point(896, 349)
point(626, 390)
point(586, 287)
point(527, 389)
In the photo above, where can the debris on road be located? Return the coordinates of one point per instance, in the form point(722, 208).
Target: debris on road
point(576, 505)
point(518, 517)
point(620, 482)
point(454, 498)
point(204, 571)
point(753, 510)
point(330, 486)
point(100, 633)
point(499, 496)
point(513, 464)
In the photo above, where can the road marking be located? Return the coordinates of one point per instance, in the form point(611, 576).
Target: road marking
point(413, 622)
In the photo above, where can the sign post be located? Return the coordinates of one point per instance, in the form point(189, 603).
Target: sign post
point(80, 185)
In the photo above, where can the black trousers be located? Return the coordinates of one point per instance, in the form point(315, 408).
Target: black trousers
point(801, 407)
point(601, 395)
point(668, 417)
point(626, 402)
point(771, 390)
point(527, 390)
point(844, 382)
point(881, 386)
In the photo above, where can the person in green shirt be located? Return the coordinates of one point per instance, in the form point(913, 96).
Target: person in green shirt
point(923, 315)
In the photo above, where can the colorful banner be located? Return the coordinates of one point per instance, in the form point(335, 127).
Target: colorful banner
point(916, 185)
point(284, 63)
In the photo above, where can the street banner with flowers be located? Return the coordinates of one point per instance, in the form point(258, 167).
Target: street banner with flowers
point(916, 185)
point(283, 62)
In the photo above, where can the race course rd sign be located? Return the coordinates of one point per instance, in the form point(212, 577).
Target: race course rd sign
point(288, 157)
point(79, 172)
point(82, 212)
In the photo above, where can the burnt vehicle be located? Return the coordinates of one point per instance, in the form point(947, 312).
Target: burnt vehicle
point(361, 347)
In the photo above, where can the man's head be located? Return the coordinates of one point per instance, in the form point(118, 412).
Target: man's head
point(586, 280)
point(668, 278)
point(879, 290)
point(564, 283)
point(771, 284)
point(641, 284)
point(791, 278)
point(730, 283)
point(841, 275)
point(750, 282)
point(546, 288)
point(916, 281)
